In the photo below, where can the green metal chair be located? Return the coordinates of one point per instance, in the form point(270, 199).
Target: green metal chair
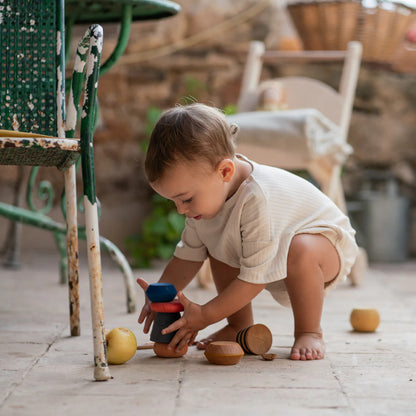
point(32, 100)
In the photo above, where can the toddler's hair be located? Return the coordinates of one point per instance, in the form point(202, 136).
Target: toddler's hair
point(189, 133)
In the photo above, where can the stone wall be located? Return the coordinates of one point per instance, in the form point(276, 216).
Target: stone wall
point(199, 55)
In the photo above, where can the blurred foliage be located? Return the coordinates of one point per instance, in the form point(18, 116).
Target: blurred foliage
point(152, 115)
point(230, 109)
point(194, 87)
point(162, 228)
point(160, 233)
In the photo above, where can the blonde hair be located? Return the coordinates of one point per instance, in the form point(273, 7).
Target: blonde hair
point(193, 132)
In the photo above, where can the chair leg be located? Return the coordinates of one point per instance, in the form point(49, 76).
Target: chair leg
point(360, 268)
point(11, 249)
point(72, 249)
point(329, 179)
point(101, 370)
point(125, 268)
point(61, 244)
point(335, 191)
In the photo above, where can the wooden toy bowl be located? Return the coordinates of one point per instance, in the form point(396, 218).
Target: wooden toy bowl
point(365, 320)
point(224, 352)
point(256, 339)
point(161, 350)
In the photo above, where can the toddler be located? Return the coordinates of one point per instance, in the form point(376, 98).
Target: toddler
point(260, 227)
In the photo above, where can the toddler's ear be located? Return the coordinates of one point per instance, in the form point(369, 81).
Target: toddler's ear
point(226, 168)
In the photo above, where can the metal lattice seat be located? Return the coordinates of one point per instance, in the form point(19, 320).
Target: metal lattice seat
point(31, 150)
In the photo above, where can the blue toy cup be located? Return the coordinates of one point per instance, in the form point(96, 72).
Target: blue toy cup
point(161, 292)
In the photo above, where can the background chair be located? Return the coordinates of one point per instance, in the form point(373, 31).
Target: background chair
point(304, 93)
point(301, 95)
point(33, 109)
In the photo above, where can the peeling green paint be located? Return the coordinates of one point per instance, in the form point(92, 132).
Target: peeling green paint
point(90, 44)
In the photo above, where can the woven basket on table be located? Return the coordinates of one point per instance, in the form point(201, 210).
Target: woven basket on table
point(329, 25)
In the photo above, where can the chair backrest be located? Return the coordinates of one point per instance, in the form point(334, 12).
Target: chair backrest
point(303, 92)
point(32, 93)
point(32, 84)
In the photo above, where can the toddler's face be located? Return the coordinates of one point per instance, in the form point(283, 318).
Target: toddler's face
point(197, 190)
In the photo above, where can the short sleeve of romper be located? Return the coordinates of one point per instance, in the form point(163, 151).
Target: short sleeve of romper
point(190, 247)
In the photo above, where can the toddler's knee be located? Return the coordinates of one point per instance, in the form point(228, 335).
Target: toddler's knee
point(301, 252)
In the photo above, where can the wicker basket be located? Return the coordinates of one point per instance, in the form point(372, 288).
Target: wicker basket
point(329, 25)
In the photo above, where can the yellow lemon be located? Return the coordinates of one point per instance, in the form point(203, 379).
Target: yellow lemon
point(121, 345)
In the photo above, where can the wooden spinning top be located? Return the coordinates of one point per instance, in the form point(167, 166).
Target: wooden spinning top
point(256, 339)
point(224, 352)
point(161, 350)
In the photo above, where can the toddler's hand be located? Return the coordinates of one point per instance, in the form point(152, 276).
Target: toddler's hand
point(146, 315)
point(188, 325)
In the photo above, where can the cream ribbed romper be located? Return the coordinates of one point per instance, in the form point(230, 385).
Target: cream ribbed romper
point(254, 228)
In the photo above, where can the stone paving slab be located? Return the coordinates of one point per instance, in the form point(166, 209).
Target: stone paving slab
point(44, 371)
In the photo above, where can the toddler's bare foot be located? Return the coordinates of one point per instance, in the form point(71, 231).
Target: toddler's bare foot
point(308, 346)
point(228, 333)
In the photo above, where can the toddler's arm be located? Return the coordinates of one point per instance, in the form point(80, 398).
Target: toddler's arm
point(180, 272)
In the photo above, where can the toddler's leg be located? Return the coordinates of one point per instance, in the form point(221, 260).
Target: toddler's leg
point(223, 276)
point(312, 262)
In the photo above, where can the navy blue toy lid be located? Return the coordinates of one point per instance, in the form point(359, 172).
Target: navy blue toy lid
point(161, 292)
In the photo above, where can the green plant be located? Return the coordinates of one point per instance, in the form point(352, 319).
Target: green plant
point(160, 233)
point(230, 109)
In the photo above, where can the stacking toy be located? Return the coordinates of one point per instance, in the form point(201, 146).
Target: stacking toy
point(162, 297)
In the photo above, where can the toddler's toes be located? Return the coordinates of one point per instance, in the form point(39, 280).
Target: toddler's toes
point(302, 354)
point(319, 355)
point(295, 354)
point(309, 354)
point(308, 346)
point(305, 354)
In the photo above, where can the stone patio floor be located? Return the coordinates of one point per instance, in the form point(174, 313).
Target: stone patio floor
point(43, 371)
